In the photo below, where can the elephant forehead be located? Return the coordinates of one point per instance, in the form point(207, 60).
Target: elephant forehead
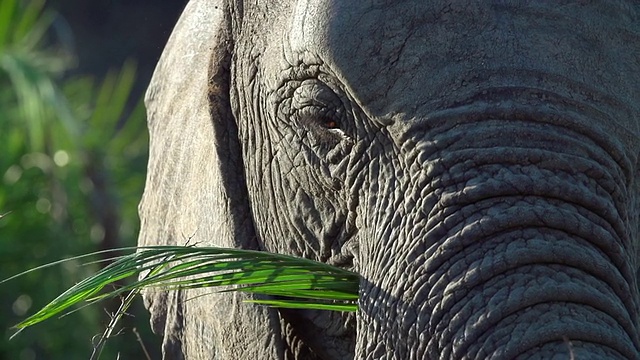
point(404, 59)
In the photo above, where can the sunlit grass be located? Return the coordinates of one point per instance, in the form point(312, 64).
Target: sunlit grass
point(288, 282)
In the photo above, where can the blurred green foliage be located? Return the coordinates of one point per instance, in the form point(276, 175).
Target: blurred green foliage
point(72, 159)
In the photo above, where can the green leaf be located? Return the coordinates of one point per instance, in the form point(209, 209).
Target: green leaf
point(31, 16)
point(296, 283)
point(112, 98)
point(7, 11)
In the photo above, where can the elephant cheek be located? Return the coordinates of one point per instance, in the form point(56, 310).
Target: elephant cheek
point(501, 251)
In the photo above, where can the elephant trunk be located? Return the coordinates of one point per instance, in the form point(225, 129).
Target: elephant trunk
point(510, 239)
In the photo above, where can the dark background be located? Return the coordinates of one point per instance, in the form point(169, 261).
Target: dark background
point(107, 32)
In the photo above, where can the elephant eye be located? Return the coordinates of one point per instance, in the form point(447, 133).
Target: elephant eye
point(318, 111)
point(319, 117)
point(330, 124)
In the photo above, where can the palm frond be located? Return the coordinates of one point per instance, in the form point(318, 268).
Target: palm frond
point(287, 281)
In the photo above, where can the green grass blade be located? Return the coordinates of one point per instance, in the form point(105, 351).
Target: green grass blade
point(7, 11)
point(42, 267)
point(30, 16)
point(296, 283)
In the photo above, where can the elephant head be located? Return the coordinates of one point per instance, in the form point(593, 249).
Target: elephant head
point(475, 161)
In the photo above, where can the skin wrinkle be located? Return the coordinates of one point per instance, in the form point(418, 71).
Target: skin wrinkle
point(523, 223)
point(504, 339)
point(296, 220)
point(503, 286)
point(471, 113)
point(542, 193)
point(473, 249)
point(473, 165)
point(449, 203)
point(552, 348)
point(486, 183)
point(539, 220)
point(549, 331)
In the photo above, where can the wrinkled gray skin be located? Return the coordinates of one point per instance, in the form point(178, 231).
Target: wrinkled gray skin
point(475, 161)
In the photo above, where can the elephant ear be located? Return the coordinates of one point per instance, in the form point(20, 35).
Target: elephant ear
point(195, 191)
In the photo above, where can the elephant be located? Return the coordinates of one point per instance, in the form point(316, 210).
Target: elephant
point(475, 162)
